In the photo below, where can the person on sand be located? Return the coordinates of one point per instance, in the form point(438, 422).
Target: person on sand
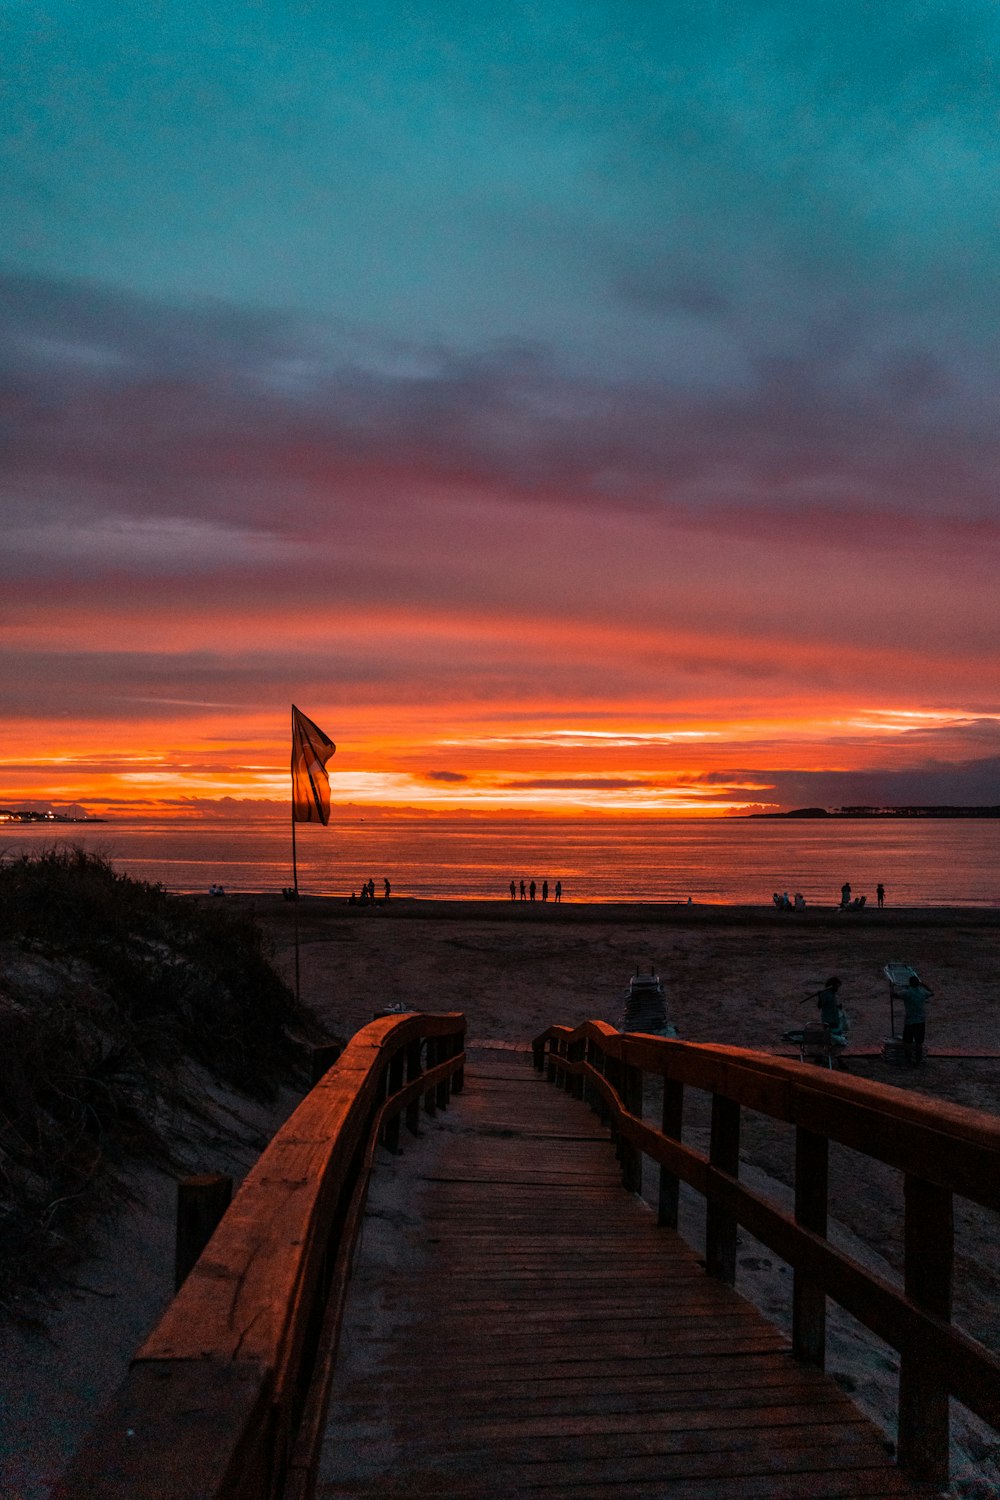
point(524, 891)
point(799, 902)
point(531, 890)
point(388, 890)
point(830, 1012)
point(558, 895)
point(513, 891)
point(880, 895)
point(915, 998)
point(845, 895)
point(545, 890)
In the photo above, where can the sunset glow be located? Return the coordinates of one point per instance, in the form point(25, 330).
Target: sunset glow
point(588, 414)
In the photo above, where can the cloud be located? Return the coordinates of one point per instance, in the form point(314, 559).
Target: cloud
point(445, 776)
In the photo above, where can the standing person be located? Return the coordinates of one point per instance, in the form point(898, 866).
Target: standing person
point(513, 891)
point(558, 895)
point(388, 889)
point(371, 889)
point(531, 890)
point(545, 890)
point(880, 894)
point(845, 894)
point(829, 1005)
point(524, 891)
point(915, 998)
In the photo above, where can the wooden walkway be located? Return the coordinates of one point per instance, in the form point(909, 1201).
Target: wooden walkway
point(518, 1325)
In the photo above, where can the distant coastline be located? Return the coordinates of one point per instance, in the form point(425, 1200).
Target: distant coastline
point(12, 815)
point(884, 812)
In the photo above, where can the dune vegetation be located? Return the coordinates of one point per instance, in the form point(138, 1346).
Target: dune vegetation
point(116, 1001)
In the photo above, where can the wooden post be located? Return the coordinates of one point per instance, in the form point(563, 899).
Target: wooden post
point(673, 1120)
point(430, 1098)
point(720, 1223)
point(575, 1080)
point(631, 1155)
point(413, 1071)
point(201, 1202)
point(812, 1160)
point(613, 1073)
point(929, 1248)
point(458, 1077)
point(394, 1082)
point(322, 1059)
point(443, 1089)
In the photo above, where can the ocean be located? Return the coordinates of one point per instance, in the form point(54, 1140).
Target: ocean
point(734, 861)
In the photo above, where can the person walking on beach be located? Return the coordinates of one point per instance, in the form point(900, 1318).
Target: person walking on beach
point(513, 891)
point(880, 895)
point(388, 889)
point(558, 894)
point(545, 890)
point(531, 890)
point(523, 891)
point(915, 998)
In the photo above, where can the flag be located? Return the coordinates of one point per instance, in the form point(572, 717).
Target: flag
point(311, 749)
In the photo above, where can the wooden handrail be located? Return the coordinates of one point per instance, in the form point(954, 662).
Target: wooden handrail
point(221, 1400)
point(941, 1149)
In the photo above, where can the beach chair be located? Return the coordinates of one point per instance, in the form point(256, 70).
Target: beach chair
point(819, 1044)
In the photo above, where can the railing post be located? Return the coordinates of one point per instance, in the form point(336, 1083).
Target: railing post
point(631, 1156)
point(673, 1121)
point(322, 1059)
point(720, 1222)
point(551, 1067)
point(613, 1073)
point(929, 1248)
point(458, 1077)
point(601, 1064)
point(413, 1070)
point(390, 1135)
point(201, 1203)
point(538, 1056)
point(430, 1098)
point(812, 1161)
point(443, 1089)
point(575, 1080)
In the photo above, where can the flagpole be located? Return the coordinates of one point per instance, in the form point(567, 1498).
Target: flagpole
point(295, 886)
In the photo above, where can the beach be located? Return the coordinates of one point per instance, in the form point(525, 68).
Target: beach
point(734, 975)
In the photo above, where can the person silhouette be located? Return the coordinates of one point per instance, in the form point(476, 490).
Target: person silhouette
point(845, 894)
point(388, 889)
point(558, 894)
point(545, 890)
point(531, 891)
point(880, 894)
point(524, 891)
point(513, 891)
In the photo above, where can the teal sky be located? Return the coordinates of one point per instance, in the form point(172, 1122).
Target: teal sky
point(698, 297)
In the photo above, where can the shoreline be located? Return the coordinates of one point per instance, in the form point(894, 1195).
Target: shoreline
point(667, 913)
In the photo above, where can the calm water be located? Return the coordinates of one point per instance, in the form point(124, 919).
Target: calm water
point(734, 861)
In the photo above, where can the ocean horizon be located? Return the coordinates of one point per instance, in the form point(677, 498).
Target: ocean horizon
point(731, 861)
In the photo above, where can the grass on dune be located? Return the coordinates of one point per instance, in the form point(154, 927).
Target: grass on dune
point(108, 987)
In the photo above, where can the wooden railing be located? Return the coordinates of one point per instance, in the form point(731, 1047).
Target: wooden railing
point(227, 1396)
point(940, 1149)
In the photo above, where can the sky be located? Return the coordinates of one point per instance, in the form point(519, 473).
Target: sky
point(571, 407)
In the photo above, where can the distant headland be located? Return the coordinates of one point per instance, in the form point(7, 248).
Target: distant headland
point(944, 811)
point(15, 815)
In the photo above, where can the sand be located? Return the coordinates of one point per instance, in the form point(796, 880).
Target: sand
point(733, 975)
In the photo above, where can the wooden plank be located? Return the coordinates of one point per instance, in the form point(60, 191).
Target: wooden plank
point(552, 1338)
